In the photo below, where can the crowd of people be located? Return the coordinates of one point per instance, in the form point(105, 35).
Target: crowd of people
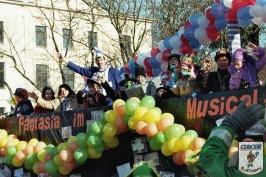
point(182, 78)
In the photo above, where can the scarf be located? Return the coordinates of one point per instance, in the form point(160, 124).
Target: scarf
point(103, 69)
point(104, 73)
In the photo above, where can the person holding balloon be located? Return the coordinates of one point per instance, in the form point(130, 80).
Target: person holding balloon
point(214, 154)
point(244, 68)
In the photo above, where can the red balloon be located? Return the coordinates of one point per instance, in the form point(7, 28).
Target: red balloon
point(155, 51)
point(237, 4)
point(146, 63)
point(185, 49)
point(211, 28)
point(135, 58)
point(187, 25)
point(218, 1)
point(231, 15)
point(209, 15)
point(126, 68)
point(166, 54)
point(213, 36)
point(183, 39)
point(250, 2)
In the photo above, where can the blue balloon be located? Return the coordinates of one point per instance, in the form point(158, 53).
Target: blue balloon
point(156, 71)
point(194, 43)
point(131, 61)
point(194, 20)
point(246, 13)
point(154, 63)
point(200, 47)
point(244, 23)
point(220, 23)
point(177, 34)
point(166, 43)
point(132, 68)
point(189, 33)
point(261, 2)
point(241, 14)
point(218, 10)
point(122, 70)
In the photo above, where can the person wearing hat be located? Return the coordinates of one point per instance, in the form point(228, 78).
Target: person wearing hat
point(143, 169)
point(213, 156)
point(111, 75)
point(217, 81)
point(244, 68)
point(127, 81)
point(24, 106)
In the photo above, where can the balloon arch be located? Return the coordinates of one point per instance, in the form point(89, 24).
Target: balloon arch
point(199, 31)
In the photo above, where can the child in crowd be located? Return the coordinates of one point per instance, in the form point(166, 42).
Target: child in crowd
point(24, 106)
point(244, 68)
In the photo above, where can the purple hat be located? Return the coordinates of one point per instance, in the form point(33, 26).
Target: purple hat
point(239, 55)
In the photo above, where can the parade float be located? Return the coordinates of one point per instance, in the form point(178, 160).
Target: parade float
point(108, 141)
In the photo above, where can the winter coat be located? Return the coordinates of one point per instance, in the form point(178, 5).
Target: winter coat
point(24, 107)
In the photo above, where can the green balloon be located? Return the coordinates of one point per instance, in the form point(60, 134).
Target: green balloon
point(97, 127)
point(50, 166)
point(55, 174)
point(158, 109)
point(131, 106)
point(81, 163)
point(160, 138)
point(131, 130)
point(100, 148)
point(190, 169)
point(81, 155)
point(88, 131)
point(8, 159)
point(148, 102)
point(191, 133)
point(95, 140)
point(11, 150)
point(82, 139)
point(149, 138)
point(27, 165)
point(174, 131)
point(126, 118)
point(53, 151)
point(49, 147)
point(154, 145)
point(104, 121)
point(32, 158)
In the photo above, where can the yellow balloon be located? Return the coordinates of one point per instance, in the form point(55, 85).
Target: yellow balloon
point(118, 101)
point(168, 115)
point(33, 142)
point(110, 116)
point(16, 162)
point(57, 160)
point(93, 154)
point(89, 144)
point(61, 146)
point(41, 155)
point(135, 98)
point(165, 150)
point(132, 122)
point(172, 145)
point(114, 143)
point(3, 133)
point(21, 145)
point(152, 115)
point(109, 130)
point(186, 142)
point(106, 139)
point(34, 168)
point(177, 145)
point(15, 141)
point(139, 113)
point(63, 171)
point(71, 139)
point(3, 141)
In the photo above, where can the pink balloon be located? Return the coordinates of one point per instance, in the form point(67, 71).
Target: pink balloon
point(135, 58)
point(165, 55)
point(126, 68)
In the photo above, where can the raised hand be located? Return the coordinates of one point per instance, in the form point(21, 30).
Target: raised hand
point(33, 95)
point(253, 47)
point(206, 65)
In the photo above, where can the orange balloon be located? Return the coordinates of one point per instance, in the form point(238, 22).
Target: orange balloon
point(177, 158)
point(151, 129)
point(12, 136)
point(119, 123)
point(141, 127)
point(120, 109)
point(3, 151)
point(135, 98)
point(40, 145)
point(66, 155)
point(10, 143)
point(198, 143)
point(69, 166)
point(73, 146)
point(123, 130)
point(232, 150)
point(41, 167)
point(186, 154)
point(29, 149)
point(164, 123)
point(48, 157)
point(21, 155)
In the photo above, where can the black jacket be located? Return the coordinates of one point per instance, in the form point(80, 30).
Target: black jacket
point(24, 107)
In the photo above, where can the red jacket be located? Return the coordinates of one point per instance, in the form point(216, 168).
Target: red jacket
point(40, 110)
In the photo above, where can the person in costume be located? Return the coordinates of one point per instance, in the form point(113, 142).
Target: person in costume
point(214, 154)
point(217, 81)
point(111, 75)
point(143, 169)
point(179, 79)
point(244, 68)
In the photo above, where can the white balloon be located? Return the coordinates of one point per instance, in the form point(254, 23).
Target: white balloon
point(200, 33)
point(174, 42)
point(227, 3)
point(164, 65)
point(159, 57)
point(181, 31)
point(203, 22)
point(263, 19)
point(255, 11)
point(263, 11)
point(161, 46)
point(205, 41)
point(140, 60)
point(177, 50)
point(257, 20)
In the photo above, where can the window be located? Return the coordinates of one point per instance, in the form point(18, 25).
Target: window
point(1, 32)
point(126, 44)
point(2, 110)
point(67, 38)
point(41, 75)
point(92, 39)
point(2, 74)
point(40, 36)
point(69, 77)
